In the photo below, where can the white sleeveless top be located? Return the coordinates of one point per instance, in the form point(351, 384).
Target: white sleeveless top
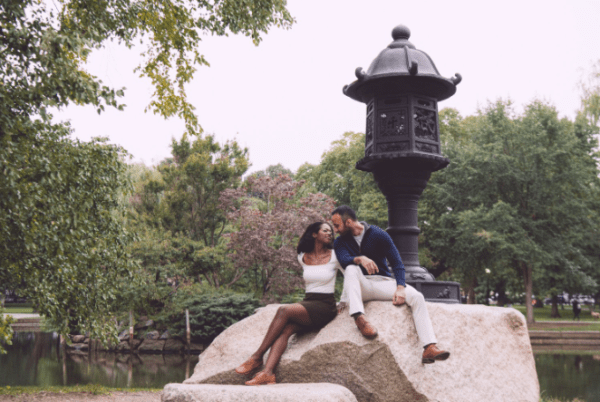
point(320, 278)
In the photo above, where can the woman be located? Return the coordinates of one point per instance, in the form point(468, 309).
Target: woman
point(320, 265)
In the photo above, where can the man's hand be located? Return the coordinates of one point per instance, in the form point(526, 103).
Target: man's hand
point(399, 296)
point(341, 307)
point(368, 264)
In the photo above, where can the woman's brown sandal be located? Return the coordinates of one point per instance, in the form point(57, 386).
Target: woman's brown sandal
point(262, 379)
point(248, 366)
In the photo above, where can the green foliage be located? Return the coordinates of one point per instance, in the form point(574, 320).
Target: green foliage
point(544, 314)
point(517, 199)
point(62, 237)
point(337, 177)
point(6, 331)
point(87, 389)
point(211, 312)
point(200, 171)
point(18, 310)
point(171, 30)
point(62, 242)
point(273, 171)
point(590, 95)
point(176, 210)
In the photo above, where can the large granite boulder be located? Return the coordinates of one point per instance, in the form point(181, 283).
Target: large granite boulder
point(491, 357)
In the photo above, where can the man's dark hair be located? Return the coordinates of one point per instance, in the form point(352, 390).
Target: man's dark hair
point(345, 212)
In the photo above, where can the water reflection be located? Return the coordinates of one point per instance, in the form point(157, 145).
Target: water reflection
point(34, 358)
point(569, 376)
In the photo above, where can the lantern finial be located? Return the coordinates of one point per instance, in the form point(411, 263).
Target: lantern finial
point(401, 32)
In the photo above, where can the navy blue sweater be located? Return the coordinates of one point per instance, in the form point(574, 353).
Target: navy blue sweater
point(376, 245)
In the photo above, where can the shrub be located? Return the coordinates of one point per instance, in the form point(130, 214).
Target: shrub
point(211, 312)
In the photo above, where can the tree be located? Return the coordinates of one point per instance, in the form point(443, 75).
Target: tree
point(521, 190)
point(46, 234)
point(62, 237)
point(200, 171)
point(177, 211)
point(337, 177)
point(590, 95)
point(588, 122)
point(263, 245)
point(273, 171)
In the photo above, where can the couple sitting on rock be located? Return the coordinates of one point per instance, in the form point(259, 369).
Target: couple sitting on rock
point(361, 252)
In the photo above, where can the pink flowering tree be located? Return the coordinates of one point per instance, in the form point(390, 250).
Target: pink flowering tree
point(269, 217)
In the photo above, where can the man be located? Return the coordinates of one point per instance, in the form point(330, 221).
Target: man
point(364, 250)
point(576, 309)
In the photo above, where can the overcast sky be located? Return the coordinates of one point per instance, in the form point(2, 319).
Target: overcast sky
point(283, 99)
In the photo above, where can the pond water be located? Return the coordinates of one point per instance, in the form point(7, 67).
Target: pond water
point(569, 376)
point(33, 359)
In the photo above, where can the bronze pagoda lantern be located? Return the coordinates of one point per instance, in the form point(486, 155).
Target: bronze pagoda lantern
point(401, 89)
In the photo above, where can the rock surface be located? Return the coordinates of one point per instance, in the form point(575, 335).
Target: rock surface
point(491, 357)
point(173, 345)
point(322, 392)
point(152, 345)
point(78, 338)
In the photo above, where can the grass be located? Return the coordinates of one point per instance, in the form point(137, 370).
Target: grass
point(542, 316)
point(568, 352)
point(543, 313)
point(18, 310)
point(93, 389)
point(544, 398)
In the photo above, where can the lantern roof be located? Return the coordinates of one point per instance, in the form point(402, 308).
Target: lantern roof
point(401, 68)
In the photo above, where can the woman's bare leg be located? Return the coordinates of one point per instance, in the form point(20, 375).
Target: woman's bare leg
point(290, 314)
point(279, 346)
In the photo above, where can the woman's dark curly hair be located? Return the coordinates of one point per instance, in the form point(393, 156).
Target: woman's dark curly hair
point(306, 244)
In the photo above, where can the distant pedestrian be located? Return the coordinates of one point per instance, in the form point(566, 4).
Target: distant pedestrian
point(576, 310)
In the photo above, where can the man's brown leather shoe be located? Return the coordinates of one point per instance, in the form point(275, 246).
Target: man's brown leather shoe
point(262, 379)
point(432, 353)
point(365, 327)
point(248, 366)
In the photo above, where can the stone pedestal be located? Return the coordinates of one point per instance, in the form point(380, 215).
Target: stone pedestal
point(320, 392)
point(402, 183)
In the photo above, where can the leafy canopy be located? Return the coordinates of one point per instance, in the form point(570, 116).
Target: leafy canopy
point(61, 234)
point(518, 197)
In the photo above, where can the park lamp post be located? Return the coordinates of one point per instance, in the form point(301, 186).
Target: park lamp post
point(401, 89)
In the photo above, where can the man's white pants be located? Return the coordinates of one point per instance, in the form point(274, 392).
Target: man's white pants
point(359, 288)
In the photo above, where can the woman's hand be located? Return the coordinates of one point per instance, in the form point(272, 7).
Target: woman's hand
point(341, 307)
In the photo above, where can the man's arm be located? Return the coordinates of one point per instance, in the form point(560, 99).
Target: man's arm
point(347, 257)
point(342, 252)
point(394, 259)
point(367, 264)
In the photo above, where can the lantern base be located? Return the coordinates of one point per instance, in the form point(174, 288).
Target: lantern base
point(437, 291)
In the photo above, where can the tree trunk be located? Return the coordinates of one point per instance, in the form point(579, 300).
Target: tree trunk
point(527, 278)
point(471, 292)
point(471, 296)
point(502, 299)
point(554, 312)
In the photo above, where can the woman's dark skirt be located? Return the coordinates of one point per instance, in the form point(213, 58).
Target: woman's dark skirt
point(321, 308)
